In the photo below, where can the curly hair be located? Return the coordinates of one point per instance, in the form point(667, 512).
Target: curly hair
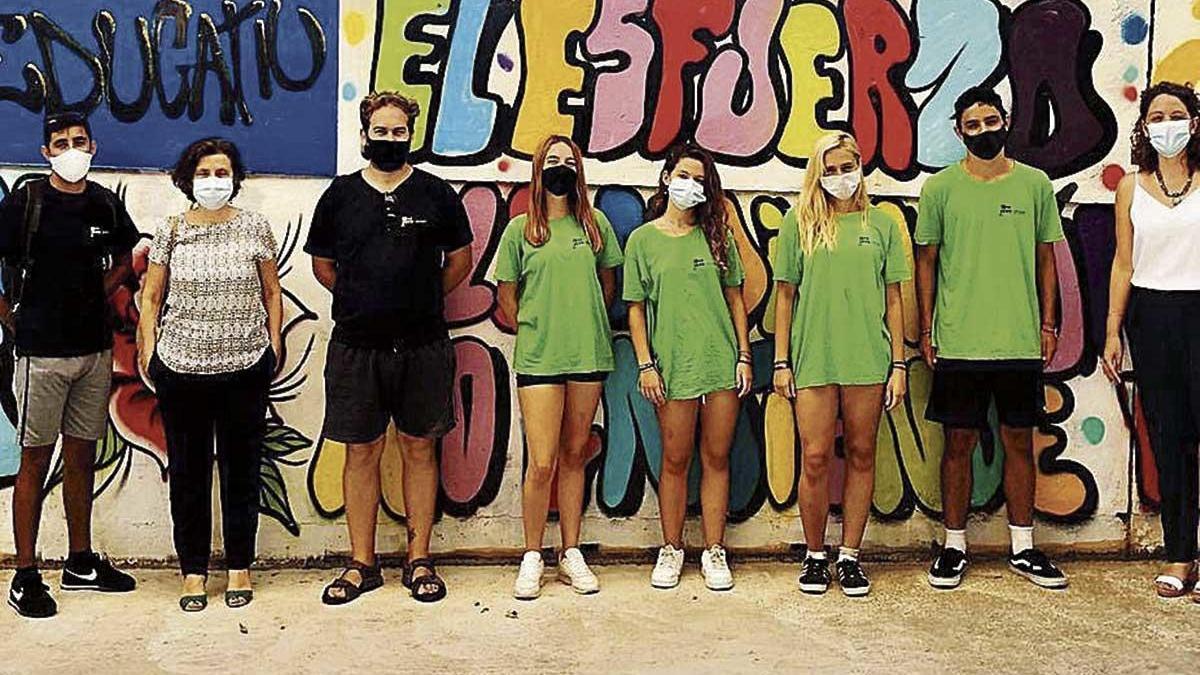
point(376, 101)
point(711, 216)
point(1143, 153)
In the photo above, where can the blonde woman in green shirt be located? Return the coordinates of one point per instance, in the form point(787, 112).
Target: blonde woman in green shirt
point(556, 268)
point(687, 320)
point(839, 345)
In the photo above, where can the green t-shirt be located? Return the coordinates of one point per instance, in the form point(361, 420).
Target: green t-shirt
point(691, 331)
point(562, 322)
point(839, 334)
point(987, 233)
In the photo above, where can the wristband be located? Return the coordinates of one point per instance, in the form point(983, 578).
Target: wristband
point(782, 365)
point(645, 367)
point(1050, 330)
point(927, 331)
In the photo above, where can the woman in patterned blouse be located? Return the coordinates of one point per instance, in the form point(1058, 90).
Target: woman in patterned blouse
point(209, 340)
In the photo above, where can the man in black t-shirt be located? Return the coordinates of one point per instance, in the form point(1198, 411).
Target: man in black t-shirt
point(390, 241)
point(67, 242)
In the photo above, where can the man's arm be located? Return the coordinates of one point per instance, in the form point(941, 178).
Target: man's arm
point(325, 270)
point(927, 258)
point(458, 266)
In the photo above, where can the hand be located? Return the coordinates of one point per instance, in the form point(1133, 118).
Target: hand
point(651, 385)
point(897, 388)
point(745, 379)
point(928, 351)
point(1049, 346)
point(1114, 357)
point(784, 383)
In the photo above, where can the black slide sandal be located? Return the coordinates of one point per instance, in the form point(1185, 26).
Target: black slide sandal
point(371, 579)
point(416, 585)
point(238, 599)
point(195, 603)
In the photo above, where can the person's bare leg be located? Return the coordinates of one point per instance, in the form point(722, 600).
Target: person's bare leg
point(956, 476)
point(862, 407)
point(360, 485)
point(816, 418)
point(420, 495)
point(542, 412)
point(580, 412)
point(677, 424)
point(1020, 474)
point(79, 478)
point(718, 419)
point(27, 501)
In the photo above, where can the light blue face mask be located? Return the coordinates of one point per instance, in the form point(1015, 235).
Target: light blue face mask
point(1170, 138)
point(685, 193)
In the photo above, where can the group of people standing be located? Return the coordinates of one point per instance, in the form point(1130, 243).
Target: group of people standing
point(390, 241)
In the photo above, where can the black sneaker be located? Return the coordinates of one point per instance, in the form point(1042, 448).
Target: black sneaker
point(948, 568)
point(1036, 567)
point(93, 572)
point(852, 579)
point(814, 575)
point(30, 597)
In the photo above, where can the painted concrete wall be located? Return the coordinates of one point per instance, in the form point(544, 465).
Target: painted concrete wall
point(756, 81)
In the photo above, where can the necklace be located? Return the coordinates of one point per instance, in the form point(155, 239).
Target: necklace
point(1175, 197)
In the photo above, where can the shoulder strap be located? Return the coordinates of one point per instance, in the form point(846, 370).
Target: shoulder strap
point(34, 193)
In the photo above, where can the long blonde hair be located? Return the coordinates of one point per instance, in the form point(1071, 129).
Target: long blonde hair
point(815, 214)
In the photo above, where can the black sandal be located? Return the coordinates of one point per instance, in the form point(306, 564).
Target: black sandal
point(372, 578)
point(417, 585)
point(195, 603)
point(238, 599)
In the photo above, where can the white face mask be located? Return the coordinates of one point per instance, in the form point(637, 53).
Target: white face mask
point(1170, 138)
point(685, 193)
point(843, 186)
point(212, 192)
point(72, 166)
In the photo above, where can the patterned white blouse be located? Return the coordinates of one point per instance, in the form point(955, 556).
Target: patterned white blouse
point(213, 318)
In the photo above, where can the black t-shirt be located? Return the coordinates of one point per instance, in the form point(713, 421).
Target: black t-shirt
point(390, 250)
point(63, 310)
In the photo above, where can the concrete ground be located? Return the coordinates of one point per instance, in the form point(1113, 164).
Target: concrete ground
point(1108, 622)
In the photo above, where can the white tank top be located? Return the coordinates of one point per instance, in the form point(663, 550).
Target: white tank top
point(1166, 242)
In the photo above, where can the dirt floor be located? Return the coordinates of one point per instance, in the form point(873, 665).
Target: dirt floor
point(1108, 621)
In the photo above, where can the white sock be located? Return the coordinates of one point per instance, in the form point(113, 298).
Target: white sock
point(956, 539)
point(818, 554)
point(847, 553)
point(1022, 538)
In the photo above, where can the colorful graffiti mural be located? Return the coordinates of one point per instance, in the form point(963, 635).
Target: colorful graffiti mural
point(755, 81)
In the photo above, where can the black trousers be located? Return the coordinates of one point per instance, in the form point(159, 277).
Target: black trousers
point(1164, 341)
point(200, 411)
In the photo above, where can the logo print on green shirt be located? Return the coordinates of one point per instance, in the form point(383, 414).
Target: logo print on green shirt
point(1010, 210)
point(697, 263)
point(577, 242)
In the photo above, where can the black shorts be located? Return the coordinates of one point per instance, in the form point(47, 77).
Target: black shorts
point(964, 390)
point(367, 387)
point(534, 380)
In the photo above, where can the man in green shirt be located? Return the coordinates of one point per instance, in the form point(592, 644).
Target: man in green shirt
point(986, 228)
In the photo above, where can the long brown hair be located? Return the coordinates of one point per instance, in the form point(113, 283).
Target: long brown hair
point(1144, 154)
point(711, 216)
point(537, 226)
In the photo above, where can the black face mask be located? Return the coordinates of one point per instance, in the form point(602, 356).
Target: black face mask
point(386, 155)
point(559, 180)
point(987, 144)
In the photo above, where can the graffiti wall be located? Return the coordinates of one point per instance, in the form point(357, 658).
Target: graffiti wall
point(755, 81)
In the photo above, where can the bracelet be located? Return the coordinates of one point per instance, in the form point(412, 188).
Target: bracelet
point(782, 365)
point(927, 331)
point(646, 367)
point(1050, 330)
point(901, 365)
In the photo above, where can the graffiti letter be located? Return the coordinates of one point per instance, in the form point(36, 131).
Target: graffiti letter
point(740, 111)
point(1052, 52)
point(960, 48)
point(48, 33)
point(406, 56)
point(682, 51)
point(618, 111)
point(105, 28)
point(465, 121)
point(474, 299)
point(550, 82)
point(879, 109)
point(810, 38)
point(33, 96)
point(473, 452)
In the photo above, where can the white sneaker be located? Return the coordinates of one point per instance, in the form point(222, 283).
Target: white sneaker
point(573, 570)
point(529, 578)
point(668, 568)
point(715, 567)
